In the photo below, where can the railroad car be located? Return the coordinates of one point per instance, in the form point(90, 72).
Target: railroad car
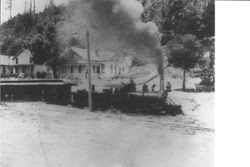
point(120, 96)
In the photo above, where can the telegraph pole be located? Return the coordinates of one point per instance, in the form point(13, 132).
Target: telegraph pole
point(89, 71)
point(25, 6)
point(0, 12)
point(0, 68)
point(34, 6)
point(30, 6)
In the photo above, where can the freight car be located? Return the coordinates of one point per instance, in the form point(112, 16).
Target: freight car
point(49, 90)
point(121, 96)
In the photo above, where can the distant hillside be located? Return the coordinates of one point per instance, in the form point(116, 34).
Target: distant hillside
point(36, 32)
point(46, 35)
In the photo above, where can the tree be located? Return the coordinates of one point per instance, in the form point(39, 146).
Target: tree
point(37, 32)
point(184, 53)
point(175, 17)
point(41, 48)
point(207, 72)
point(208, 21)
point(180, 17)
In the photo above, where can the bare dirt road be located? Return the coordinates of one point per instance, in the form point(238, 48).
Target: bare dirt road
point(42, 135)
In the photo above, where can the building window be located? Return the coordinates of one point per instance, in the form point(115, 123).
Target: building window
point(71, 69)
point(120, 71)
point(4, 70)
point(16, 70)
point(102, 68)
point(16, 60)
point(11, 70)
point(115, 69)
point(64, 68)
point(98, 69)
point(80, 69)
point(94, 69)
point(111, 67)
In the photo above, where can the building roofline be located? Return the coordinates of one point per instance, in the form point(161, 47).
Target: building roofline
point(19, 52)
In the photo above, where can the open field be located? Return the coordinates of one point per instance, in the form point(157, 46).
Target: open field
point(38, 134)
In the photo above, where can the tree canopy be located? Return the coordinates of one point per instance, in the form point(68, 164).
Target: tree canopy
point(41, 32)
point(184, 53)
point(36, 32)
point(181, 17)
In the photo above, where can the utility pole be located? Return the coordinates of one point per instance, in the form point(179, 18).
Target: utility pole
point(89, 71)
point(0, 66)
point(9, 6)
point(30, 6)
point(162, 75)
point(0, 13)
point(34, 6)
point(0, 50)
point(25, 6)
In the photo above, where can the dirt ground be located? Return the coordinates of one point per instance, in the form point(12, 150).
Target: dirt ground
point(42, 135)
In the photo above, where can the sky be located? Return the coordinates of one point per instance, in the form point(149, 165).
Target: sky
point(19, 5)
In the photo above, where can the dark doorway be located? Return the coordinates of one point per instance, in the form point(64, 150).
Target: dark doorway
point(98, 70)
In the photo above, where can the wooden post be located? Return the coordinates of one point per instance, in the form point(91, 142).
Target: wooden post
point(89, 71)
point(0, 64)
point(162, 74)
point(0, 82)
point(0, 12)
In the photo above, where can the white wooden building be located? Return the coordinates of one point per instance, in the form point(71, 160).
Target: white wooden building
point(104, 64)
point(6, 65)
point(21, 63)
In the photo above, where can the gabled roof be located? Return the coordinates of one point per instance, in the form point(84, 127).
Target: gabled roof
point(95, 56)
point(6, 60)
point(26, 51)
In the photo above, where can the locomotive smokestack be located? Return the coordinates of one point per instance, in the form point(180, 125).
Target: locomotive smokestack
point(160, 64)
point(120, 21)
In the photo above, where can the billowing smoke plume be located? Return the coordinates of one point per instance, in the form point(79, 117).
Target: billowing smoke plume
point(120, 20)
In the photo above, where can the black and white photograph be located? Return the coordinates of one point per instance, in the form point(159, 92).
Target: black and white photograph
point(107, 83)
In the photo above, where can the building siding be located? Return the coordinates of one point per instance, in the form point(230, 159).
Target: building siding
point(72, 63)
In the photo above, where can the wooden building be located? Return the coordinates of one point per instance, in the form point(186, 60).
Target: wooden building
point(6, 65)
point(20, 64)
point(51, 90)
point(104, 64)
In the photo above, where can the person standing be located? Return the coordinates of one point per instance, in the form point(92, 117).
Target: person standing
point(168, 87)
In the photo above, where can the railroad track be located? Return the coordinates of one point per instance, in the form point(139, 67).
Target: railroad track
point(179, 125)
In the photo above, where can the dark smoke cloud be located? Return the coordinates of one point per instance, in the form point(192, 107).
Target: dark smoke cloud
point(120, 20)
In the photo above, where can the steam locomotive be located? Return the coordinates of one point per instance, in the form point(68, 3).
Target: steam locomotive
point(125, 98)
